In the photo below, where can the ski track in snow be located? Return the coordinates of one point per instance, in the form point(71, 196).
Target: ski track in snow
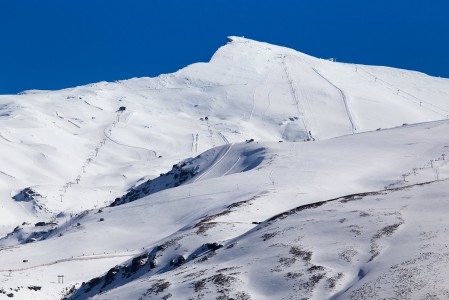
point(154, 154)
point(73, 123)
point(270, 176)
point(229, 146)
point(253, 106)
point(9, 141)
point(125, 121)
point(92, 105)
point(401, 93)
point(344, 99)
point(296, 101)
point(225, 140)
point(6, 174)
point(268, 106)
point(211, 133)
point(268, 97)
point(80, 258)
point(232, 167)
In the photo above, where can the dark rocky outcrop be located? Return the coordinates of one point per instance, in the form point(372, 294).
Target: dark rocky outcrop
point(179, 174)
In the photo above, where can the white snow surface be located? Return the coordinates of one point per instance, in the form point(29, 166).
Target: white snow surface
point(292, 177)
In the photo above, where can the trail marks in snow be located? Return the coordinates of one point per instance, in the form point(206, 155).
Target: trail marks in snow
point(406, 95)
point(343, 97)
point(296, 101)
point(225, 140)
point(79, 258)
point(253, 107)
point(214, 165)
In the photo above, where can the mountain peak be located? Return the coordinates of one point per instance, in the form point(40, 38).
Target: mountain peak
point(238, 39)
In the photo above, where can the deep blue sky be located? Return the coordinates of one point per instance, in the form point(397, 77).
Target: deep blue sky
point(53, 44)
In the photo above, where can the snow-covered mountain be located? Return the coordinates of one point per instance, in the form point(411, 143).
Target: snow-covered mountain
point(262, 174)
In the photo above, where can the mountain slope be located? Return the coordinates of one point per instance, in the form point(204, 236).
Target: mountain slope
point(156, 174)
point(181, 220)
point(68, 143)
